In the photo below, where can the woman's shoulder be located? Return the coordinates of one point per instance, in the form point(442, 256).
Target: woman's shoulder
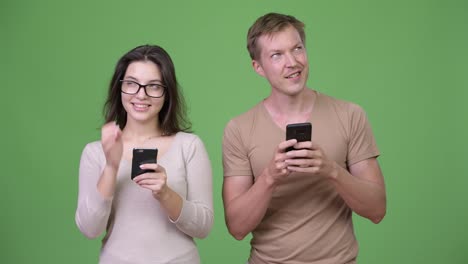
point(187, 139)
point(190, 145)
point(94, 145)
point(93, 148)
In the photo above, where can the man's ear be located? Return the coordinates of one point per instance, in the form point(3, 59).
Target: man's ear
point(258, 68)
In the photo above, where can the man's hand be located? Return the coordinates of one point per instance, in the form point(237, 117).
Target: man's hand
point(310, 158)
point(277, 170)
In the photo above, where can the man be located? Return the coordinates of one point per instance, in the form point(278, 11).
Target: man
point(298, 204)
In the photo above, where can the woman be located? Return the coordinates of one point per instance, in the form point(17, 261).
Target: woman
point(154, 217)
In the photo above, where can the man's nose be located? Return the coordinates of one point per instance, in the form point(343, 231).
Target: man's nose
point(291, 60)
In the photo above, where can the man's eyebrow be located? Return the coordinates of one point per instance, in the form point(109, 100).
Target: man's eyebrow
point(274, 51)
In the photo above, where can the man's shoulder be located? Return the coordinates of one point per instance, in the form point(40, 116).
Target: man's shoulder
point(339, 105)
point(247, 117)
point(242, 127)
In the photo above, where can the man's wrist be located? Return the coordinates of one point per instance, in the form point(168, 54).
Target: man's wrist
point(335, 172)
point(267, 180)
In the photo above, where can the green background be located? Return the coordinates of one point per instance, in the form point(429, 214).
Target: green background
point(404, 62)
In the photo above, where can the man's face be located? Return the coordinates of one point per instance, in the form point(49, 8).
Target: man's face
point(283, 61)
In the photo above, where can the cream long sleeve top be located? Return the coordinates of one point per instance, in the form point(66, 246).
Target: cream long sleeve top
point(137, 229)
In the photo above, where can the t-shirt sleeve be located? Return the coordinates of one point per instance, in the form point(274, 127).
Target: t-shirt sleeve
point(93, 209)
point(362, 143)
point(196, 216)
point(235, 155)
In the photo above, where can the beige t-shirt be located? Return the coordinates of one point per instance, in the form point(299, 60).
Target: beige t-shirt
point(306, 221)
point(137, 229)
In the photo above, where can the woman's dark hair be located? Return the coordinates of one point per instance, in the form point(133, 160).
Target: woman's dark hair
point(172, 116)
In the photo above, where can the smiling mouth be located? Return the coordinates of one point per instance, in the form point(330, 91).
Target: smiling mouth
point(294, 75)
point(140, 105)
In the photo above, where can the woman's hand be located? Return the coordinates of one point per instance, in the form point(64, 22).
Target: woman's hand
point(155, 181)
point(111, 140)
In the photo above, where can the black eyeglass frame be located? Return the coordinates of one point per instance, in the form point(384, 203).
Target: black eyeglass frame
point(144, 88)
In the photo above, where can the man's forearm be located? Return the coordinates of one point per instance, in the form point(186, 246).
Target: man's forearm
point(364, 197)
point(246, 211)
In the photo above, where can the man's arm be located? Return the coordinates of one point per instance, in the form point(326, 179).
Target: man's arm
point(246, 201)
point(363, 189)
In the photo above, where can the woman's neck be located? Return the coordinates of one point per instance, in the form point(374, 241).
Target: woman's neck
point(134, 131)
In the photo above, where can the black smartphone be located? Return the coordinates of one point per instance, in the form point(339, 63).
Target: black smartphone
point(142, 156)
point(299, 131)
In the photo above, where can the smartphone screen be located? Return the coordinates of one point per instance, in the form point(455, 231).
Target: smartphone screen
point(299, 131)
point(142, 156)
